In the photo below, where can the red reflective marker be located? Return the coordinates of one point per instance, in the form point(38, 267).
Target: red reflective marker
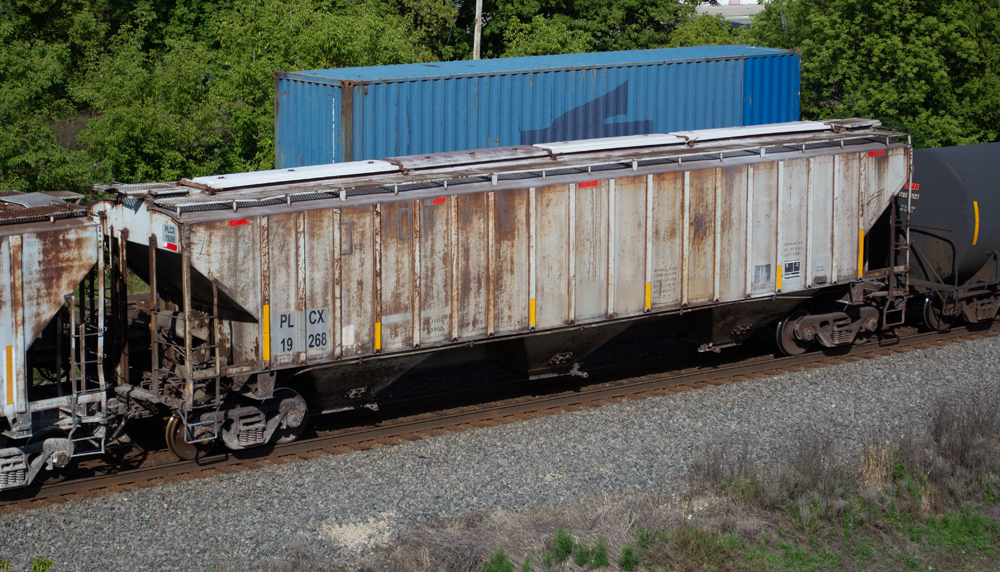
point(238, 222)
point(878, 153)
point(587, 184)
point(170, 246)
point(440, 201)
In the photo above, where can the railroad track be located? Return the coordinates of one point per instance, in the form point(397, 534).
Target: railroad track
point(606, 386)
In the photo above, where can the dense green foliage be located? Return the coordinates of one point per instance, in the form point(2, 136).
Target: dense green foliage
point(98, 90)
point(931, 68)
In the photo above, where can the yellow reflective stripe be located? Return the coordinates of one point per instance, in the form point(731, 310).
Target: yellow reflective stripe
point(975, 236)
point(778, 277)
point(378, 336)
point(861, 252)
point(267, 332)
point(10, 375)
point(649, 295)
point(531, 313)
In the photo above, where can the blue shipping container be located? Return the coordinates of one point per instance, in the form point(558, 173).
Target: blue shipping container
point(324, 116)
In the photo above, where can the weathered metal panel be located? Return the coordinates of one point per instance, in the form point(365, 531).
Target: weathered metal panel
point(552, 270)
point(511, 273)
point(473, 264)
point(791, 261)
point(847, 197)
point(397, 275)
point(435, 270)
point(630, 246)
point(8, 358)
point(318, 314)
point(228, 252)
point(286, 327)
point(54, 262)
point(821, 223)
point(700, 286)
point(357, 280)
point(732, 233)
point(668, 239)
point(449, 106)
point(591, 251)
point(764, 202)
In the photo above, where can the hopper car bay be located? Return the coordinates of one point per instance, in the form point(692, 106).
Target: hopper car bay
point(281, 293)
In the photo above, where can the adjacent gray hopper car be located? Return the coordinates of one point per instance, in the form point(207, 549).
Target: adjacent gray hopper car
point(312, 289)
point(47, 249)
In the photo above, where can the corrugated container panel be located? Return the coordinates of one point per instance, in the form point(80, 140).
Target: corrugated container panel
point(325, 116)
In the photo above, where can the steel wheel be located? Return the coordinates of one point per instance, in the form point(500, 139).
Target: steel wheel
point(291, 404)
point(934, 317)
point(785, 335)
point(181, 448)
point(57, 475)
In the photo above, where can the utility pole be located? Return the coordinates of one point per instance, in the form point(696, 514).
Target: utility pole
point(479, 29)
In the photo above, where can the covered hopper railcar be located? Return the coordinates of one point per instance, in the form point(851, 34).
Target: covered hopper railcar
point(332, 281)
point(282, 293)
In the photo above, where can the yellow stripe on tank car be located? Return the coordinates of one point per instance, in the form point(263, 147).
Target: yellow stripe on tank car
point(861, 253)
point(378, 336)
point(778, 278)
point(267, 332)
point(531, 313)
point(975, 236)
point(10, 375)
point(649, 295)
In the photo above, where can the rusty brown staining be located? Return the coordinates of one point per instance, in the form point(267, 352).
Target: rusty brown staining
point(473, 280)
point(511, 274)
point(417, 272)
point(397, 259)
point(265, 266)
point(435, 270)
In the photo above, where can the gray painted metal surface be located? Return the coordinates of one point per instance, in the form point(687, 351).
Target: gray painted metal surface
point(338, 115)
point(494, 250)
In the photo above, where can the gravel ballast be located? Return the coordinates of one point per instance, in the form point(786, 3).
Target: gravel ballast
point(335, 508)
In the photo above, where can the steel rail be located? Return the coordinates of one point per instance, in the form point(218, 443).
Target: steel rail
point(412, 428)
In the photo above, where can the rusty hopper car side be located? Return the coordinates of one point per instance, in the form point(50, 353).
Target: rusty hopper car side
point(334, 280)
point(51, 414)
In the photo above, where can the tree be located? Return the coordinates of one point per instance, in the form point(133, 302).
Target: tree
point(704, 30)
point(932, 68)
point(542, 36)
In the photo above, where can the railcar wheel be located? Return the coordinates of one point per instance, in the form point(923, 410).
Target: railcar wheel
point(785, 335)
point(181, 448)
point(295, 410)
point(56, 475)
point(934, 316)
